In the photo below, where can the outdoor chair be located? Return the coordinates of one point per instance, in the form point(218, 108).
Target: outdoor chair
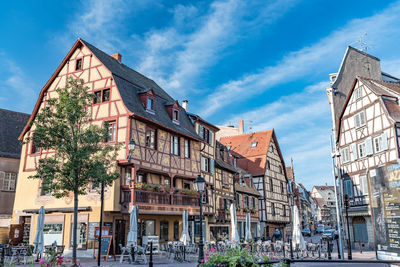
point(125, 250)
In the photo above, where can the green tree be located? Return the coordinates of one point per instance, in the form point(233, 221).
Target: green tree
point(81, 156)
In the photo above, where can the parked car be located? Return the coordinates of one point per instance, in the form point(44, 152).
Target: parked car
point(306, 232)
point(320, 230)
point(328, 234)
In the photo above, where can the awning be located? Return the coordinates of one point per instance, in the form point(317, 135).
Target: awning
point(65, 210)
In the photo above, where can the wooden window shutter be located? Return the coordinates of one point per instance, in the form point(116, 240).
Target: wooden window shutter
point(348, 187)
point(368, 146)
point(384, 141)
point(355, 154)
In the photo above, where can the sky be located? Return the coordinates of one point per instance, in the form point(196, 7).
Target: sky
point(266, 62)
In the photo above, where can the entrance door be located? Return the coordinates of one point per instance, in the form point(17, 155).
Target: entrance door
point(119, 234)
point(360, 230)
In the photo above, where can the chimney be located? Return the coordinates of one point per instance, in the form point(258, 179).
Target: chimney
point(185, 105)
point(241, 127)
point(117, 56)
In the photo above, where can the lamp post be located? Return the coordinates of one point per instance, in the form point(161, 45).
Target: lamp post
point(131, 147)
point(346, 205)
point(200, 185)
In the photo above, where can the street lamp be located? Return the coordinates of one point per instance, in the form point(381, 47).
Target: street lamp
point(131, 147)
point(346, 205)
point(200, 185)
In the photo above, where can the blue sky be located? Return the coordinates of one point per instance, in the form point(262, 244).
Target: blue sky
point(266, 62)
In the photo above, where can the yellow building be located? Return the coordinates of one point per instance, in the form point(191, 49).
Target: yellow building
point(158, 177)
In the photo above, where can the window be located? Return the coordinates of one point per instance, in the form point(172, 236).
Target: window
point(128, 176)
point(187, 148)
point(237, 199)
point(345, 155)
point(8, 181)
point(273, 208)
point(284, 210)
point(204, 197)
point(359, 119)
point(163, 231)
point(149, 228)
point(101, 96)
point(78, 65)
point(348, 187)
point(361, 150)
point(235, 162)
point(246, 202)
point(358, 93)
point(175, 115)
point(380, 142)
point(174, 145)
point(151, 137)
point(268, 165)
point(97, 97)
point(112, 131)
point(281, 187)
point(205, 164)
point(106, 95)
point(272, 149)
point(44, 191)
point(253, 202)
point(150, 103)
point(34, 148)
point(176, 230)
point(271, 185)
point(363, 185)
point(186, 186)
point(280, 169)
point(206, 134)
point(81, 235)
point(254, 144)
point(141, 178)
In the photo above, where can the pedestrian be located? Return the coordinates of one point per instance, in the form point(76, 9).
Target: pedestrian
point(277, 235)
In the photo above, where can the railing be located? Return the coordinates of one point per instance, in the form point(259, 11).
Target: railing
point(359, 201)
point(152, 197)
point(184, 200)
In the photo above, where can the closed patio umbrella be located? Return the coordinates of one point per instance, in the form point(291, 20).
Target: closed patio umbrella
point(133, 226)
point(39, 238)
point(248, 227)
point(185, 238)
point(297, 237)
point(235, 234)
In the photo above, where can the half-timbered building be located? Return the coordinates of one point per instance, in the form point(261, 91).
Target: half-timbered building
point(262, 158)
point(367, 138)
point(158, 176)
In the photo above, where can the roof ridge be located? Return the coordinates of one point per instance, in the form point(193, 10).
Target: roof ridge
point(241, 135)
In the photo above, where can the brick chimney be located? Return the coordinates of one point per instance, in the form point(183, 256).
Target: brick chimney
point(117, 56)
point(241, 126)
point(185, 104)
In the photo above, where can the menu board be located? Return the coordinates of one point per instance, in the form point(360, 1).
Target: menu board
point(385, 207)
point(92, 226)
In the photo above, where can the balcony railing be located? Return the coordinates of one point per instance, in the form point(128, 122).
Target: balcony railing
point(162, 198)
point(359, 201)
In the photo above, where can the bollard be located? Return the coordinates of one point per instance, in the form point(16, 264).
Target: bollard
point(291, 249)
point(151, 255)
point(329, 249)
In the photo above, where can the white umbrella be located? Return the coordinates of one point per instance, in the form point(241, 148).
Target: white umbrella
point(133, 226)
point(235, 234)
point(39, 238)
point(297, 237)
point(185, 238)
point(248, 227)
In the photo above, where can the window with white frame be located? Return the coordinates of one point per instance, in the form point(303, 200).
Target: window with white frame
point(345, 155)
point(205, 164)
point(174, 145)
point(380, 142)
point(8, 182)
point(359, 119)
point(358, 93)
point(362, 150)
point(187, 148)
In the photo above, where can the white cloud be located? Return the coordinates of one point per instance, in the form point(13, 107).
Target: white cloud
point(312, 59)
point(176, 58)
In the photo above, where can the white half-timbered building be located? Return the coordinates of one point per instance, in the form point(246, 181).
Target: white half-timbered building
point(367, 136)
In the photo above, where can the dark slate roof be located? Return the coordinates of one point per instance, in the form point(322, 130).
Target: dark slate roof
point(393, 109)
point(11, 125)
point(131, 83)
point(224, 165)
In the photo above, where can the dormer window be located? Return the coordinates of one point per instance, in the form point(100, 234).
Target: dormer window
point(175, 116)
point(254, 144)
point(150, 103)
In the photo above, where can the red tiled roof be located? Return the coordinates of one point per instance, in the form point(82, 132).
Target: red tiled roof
point(254, 158)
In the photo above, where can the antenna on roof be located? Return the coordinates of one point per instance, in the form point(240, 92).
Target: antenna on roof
point(250, 126)
point(363, 43)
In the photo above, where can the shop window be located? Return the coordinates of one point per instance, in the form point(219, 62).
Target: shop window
point(164, 231)
point(149, 228)
point(176, 230)
point(54, 231)
point(81, 235)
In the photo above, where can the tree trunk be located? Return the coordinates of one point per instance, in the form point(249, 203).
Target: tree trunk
point(74, 230)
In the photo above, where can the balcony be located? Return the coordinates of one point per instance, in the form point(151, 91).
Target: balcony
point(149, 197)
point(359, 201)
point(185, 200)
